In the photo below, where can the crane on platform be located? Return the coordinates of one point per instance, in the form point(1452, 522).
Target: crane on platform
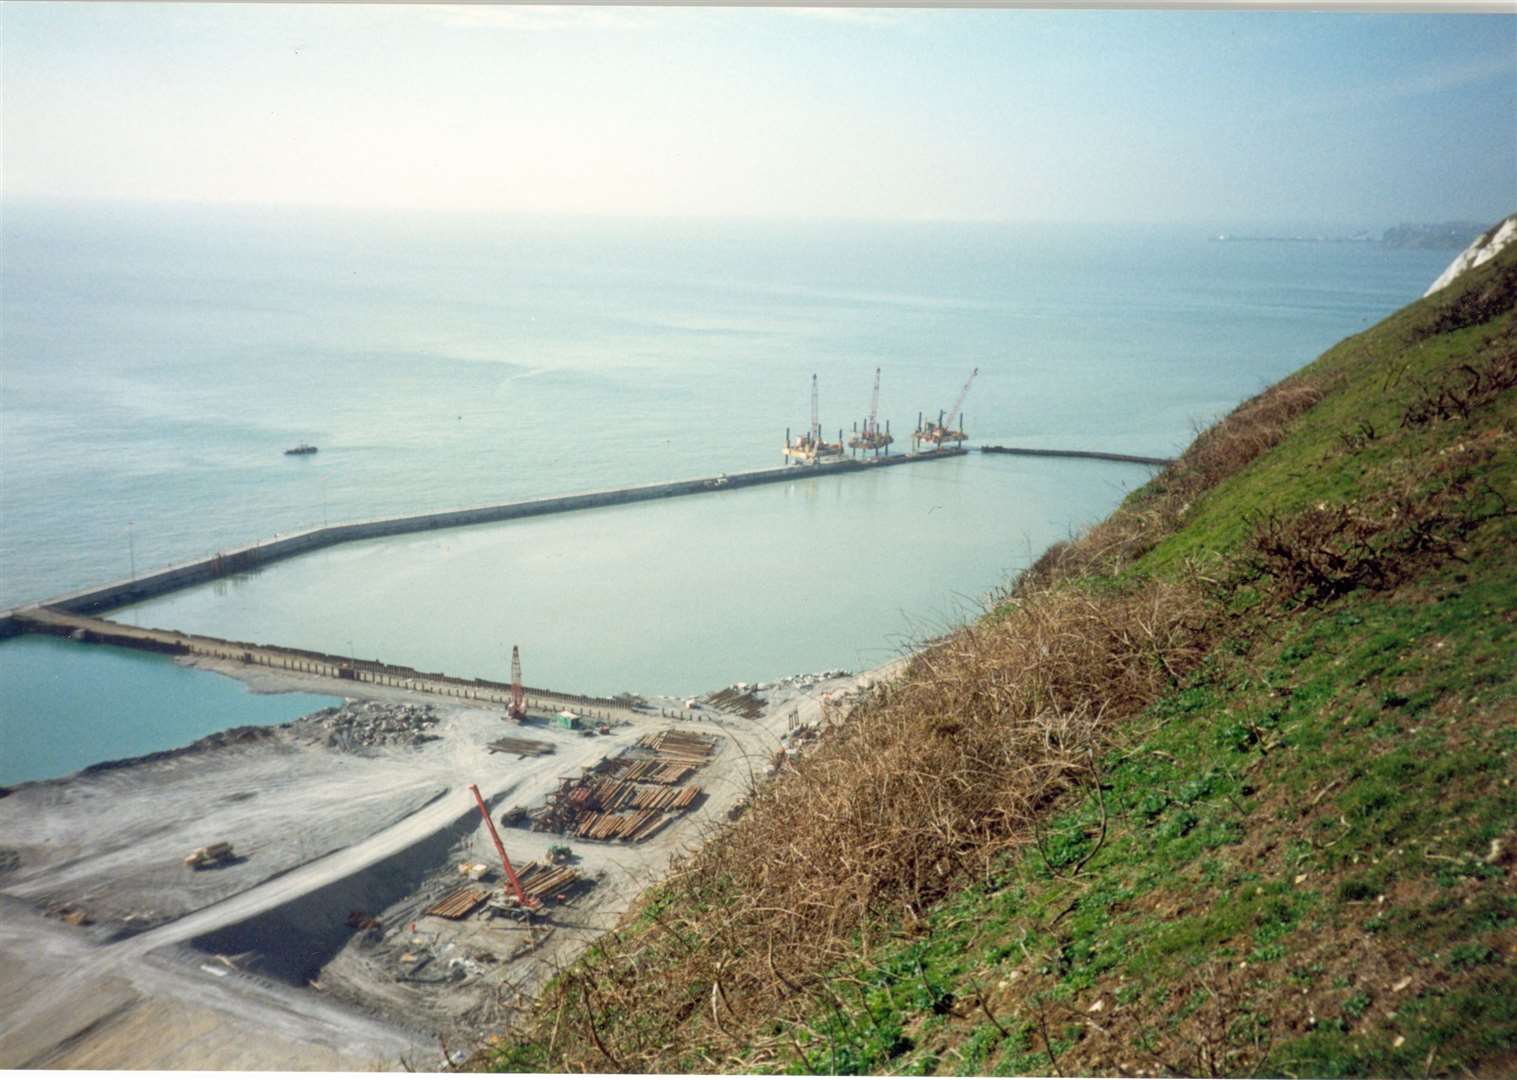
point(872, 438)
point(816, 423)
point(521, 897)
point(809, 448)
point(939, 433)
point(874, 406)
point(517, 710)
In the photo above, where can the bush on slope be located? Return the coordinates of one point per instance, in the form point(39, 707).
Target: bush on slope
point(1223, 786)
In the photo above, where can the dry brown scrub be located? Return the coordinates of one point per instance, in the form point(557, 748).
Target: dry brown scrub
point(917, 790)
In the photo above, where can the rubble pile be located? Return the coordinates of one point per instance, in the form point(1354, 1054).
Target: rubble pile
point(361, 724)
point(805, 682)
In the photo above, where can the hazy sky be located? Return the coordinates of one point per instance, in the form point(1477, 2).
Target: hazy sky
point(927, 114)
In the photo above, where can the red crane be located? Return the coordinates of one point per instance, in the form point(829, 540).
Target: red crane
point(522, 898)
point(517, 710)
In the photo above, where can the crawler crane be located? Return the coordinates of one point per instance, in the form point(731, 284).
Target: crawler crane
point(939, 433)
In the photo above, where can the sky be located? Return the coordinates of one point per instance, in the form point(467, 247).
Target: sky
point(926, 114)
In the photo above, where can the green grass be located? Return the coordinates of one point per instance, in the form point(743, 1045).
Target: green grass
point(1219, 853)
point(1299, 862)
point(1309, 815)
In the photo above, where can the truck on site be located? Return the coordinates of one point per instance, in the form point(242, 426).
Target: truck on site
point(210, 856)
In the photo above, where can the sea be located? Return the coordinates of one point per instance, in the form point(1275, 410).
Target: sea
point(156, 361)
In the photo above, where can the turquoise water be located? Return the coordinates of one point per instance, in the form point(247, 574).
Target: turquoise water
point(68, 705)
point(678, 596)
point(157, 361)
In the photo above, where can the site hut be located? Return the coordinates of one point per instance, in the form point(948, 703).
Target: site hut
point(566, 720)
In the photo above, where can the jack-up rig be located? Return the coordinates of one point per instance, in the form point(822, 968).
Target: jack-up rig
point(939, 433)
point(872, 438)
point(809, 449)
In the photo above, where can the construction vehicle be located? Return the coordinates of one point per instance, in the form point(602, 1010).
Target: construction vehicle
point(559, 853)
point(517, 710)
point(210, 856)
point(872, 438)
point(522, 899)
point(940, 433)
point(809, 449)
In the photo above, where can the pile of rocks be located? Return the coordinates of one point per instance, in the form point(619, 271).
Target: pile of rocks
point(804, 681)
point(361, 724)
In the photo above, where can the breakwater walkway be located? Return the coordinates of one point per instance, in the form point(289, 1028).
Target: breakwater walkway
point(242, 559)
point(86, 628)
point(1094, 455)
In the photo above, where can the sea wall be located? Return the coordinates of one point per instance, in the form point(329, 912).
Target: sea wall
point(1090, 455)
point(237, 560)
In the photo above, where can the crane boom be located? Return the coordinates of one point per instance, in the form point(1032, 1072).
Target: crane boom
point(959, 404)
point(816, 424)
point(521, 897)
point(874, 406)
point(518, 708)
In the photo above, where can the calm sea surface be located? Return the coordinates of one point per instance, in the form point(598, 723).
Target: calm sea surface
point(157, 361)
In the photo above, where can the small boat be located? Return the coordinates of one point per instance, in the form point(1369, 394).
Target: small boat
point(303, 448)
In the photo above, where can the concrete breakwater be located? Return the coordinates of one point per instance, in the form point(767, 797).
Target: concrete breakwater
point(239, 560)
point(1094, 455)
point(85, 628)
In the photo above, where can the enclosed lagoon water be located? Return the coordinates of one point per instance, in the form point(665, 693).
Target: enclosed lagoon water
point(675, 596)
point(68, 705)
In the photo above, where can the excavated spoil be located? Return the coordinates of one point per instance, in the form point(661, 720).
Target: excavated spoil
point(361, 724)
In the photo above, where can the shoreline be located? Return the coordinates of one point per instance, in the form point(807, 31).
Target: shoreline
point(326, 832)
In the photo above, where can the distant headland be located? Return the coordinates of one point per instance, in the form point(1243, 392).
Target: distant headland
point(1453, 235)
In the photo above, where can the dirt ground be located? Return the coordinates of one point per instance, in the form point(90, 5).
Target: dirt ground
point(312, 950)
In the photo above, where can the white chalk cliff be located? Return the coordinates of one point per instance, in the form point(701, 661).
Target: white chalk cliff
point(1483, 250)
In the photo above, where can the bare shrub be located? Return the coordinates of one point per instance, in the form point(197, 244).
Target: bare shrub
point(913, 793)
point(1331, 549)
point(1463, 391)
point(1361, 436)
point(1473, 305)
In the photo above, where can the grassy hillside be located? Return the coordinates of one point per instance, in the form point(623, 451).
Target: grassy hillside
point(1222, 787)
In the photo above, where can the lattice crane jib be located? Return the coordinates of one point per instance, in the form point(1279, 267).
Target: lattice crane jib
point(518, 696)
point(816, 423)
point(874, 407)
point(953, 413)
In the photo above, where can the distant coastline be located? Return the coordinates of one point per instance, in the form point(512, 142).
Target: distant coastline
point(1453, 235)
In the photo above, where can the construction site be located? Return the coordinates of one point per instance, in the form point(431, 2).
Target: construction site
point(368, 884)
point(367, 887)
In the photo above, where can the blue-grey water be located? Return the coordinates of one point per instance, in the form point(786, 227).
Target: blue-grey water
point(67, 705)
point(157, 361)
